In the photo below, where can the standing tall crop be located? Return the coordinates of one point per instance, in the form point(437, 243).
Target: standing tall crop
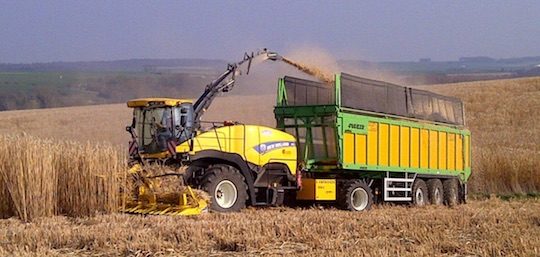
point(43, 178)
point(26, 168)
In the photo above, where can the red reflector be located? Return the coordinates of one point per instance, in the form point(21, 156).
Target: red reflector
point(299, 178)
point(228, 123)
point(171, 147)
point(133, 146)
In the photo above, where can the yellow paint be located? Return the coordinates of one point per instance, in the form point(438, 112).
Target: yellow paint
point(404, 147)
point(394, 145)
point(383, 144)
point(442, 150)
point(451, 154)
point(415, 147)
point(144, 102)
point(161, 155)
point(424, 147)
point(360, 152)
point(236, 139)
point(467, 151)
point(348, 148)
point(317, 189)
point(373, 132)
point(459, 152)
point(433, 149)
point(243, 140)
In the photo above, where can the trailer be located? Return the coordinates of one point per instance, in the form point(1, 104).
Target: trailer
point(363, 141)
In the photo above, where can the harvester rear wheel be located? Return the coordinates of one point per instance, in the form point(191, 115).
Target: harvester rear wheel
point(355, 195)
point(226, 186)
point(420, 193)
point(435, 191)
point(450, 187)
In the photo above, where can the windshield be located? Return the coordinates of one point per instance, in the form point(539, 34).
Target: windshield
point(153, 125)
point(156, 126)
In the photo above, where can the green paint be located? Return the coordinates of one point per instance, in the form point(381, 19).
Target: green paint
point(310, 118)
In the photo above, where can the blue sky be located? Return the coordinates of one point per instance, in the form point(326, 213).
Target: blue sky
point(43, 31)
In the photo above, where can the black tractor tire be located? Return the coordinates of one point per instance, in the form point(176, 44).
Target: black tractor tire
point(451, 192)
point(435, 191)
point(420, 195)
point(227, 188)
point(355, 195)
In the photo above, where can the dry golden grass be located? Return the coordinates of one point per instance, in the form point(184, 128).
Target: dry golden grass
point(503, 116)
point(100, 123)
point(44, 178)
point(480, 228)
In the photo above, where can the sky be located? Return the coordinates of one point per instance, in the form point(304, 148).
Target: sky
point(46, 31)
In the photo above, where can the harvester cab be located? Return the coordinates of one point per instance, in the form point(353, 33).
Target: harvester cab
point(158, 122)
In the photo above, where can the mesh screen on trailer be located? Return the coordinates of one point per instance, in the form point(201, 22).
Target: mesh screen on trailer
point(372, 95)
point(382, 97)
point(430, 106)
point(377, 96)
point(306, 92)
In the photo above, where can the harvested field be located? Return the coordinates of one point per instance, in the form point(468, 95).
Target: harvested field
point(481, 228)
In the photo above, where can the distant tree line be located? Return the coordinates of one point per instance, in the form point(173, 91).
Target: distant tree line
point(102, 89)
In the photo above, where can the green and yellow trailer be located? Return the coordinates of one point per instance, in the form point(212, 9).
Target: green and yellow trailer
point(361, 141)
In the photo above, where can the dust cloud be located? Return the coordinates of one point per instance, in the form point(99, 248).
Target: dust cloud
point(314, 61)
point(253, 97)
point(313, 71)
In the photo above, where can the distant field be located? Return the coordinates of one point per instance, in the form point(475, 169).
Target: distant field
point(106, 123)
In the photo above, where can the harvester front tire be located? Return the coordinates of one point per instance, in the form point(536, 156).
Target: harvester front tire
point(227, 188)
point(355, 195)
point(451, 192)
point(435, 191)
point(420, 193)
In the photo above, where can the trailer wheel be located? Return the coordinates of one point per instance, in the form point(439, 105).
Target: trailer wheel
point(227, 188)
point(420, 193)
point(451, 192)
point(435, 191)
point(355, 195)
